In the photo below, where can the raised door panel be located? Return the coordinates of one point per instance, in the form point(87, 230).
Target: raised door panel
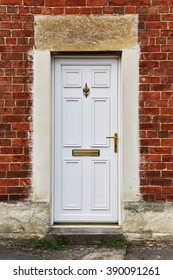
point(100, 185)
point(71, 192)
point(72, 78)
point(72, 122)
point(100, 78)
point(100, 122)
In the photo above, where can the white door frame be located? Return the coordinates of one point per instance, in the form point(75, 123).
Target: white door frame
point(43, 137)
point(54, 113)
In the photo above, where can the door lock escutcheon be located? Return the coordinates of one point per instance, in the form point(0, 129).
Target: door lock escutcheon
point(115, 137)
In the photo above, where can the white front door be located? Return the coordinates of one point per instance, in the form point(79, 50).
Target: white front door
point(85, 165)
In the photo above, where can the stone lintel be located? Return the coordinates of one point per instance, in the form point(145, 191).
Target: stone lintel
point(85, 33)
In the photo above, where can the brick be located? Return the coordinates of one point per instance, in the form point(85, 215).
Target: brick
point(150, 174)
point(163, 2)
point(3, 198)
point(149, 64)
point(117, 2)
point(46, 11)
point(152, 158)
point(12, 9)
point(156, 25)
point(149, 126)
point(78, 2)
point(20, 142)
point(22, 80)
point(167, 142)
point(161, 182)
point(130, 10)
point(150, 95)
point(160, 150)
point(58, 11)
point(154, 56)
point(150, 48)
point(163, 134)
point(54, 3)
point(12, 118)
point(9, 182)
point(17, 174)
point(23, 10)
point(34, 2)
point(161, 197)
point(167, 126)
point(96, 2)
point(167, 48)
point(144, 150)
point(36, 11)
point(20, 158)
point(5, 33)
point(149, 198)
point(156, 103)
point(167, 158)
point(163, 119)
point(5, 142)
point(141, 9)
point(149, 80)
point(167, 190)
point(118, 10)
point(152, 134)
point(11, 2)
point(11, 56)
point(22, 134)
point(70, 11)
point(153, 10)
point(25, 182)
point(163, 9)
point(169, 198)
point(21, 126)
point(27, 166)
point(23, 18)
point(167, 111)
point(97, 11)
point(151, 190)
point(150, 111)
point(2, 9)
point(17, 190)
point(5, 126)
point(11, 41)
point(17, 197)
point(2, 174)
point(12, 150)
point(108, 10)
point(15, 166)
point(161, 87)
point(3, 190)
point(4, 166)
point(160, 166)
point(11, 25)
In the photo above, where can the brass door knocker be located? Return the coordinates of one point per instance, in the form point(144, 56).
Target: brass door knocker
point(86, 90)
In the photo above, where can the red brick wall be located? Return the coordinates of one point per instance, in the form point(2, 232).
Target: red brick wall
point(156, 89)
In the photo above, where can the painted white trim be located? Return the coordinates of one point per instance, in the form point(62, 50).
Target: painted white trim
point(41, 183)
point(130, 124)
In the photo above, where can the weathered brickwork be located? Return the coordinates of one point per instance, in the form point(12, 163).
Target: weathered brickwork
point(156, 89)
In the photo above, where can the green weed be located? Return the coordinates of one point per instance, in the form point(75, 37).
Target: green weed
point(114, 244)
point(57, 243)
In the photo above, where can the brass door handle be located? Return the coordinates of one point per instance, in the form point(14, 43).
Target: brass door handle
point(115, 137)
